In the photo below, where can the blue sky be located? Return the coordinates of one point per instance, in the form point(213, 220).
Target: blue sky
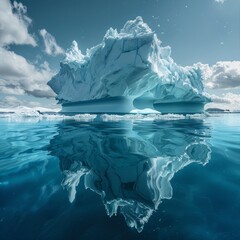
point(205, 31)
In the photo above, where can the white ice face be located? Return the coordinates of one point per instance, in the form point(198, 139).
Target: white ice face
point(132, 64)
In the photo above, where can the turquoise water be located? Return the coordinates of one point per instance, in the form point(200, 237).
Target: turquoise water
point(165, 179)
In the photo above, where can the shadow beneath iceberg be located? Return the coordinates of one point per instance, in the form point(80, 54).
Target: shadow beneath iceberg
point(129, 164)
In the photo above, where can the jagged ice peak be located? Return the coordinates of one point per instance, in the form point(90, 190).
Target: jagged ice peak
point(128, 70)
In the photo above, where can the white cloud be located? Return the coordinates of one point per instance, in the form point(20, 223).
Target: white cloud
point(51, 46)
point(12, 103)
point(14, 24)
point(220, 1)
point(222, 75)
point(229, 101)
point(228, 98)
point(18, 76)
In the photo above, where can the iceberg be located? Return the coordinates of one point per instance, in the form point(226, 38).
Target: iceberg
point(130, 167)
point(128, 71)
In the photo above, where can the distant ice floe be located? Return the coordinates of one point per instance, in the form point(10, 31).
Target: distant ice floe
point(33, 115)
point(150, 117)
point(49, 117)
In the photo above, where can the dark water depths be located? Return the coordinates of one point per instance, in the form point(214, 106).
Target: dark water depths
point(175, 179)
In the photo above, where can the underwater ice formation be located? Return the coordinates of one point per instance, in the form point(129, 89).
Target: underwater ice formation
point(129, 166)
point(128, 70)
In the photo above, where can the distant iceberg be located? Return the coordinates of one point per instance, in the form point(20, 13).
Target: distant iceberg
point(128, 71)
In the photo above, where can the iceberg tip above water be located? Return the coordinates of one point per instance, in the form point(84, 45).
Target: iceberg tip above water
point(128, 71)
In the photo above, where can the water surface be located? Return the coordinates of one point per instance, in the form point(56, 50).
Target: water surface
point(162, 179)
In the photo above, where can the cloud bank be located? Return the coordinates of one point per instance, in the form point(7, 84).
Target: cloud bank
point(14, 24)
point(229, 101)
point(18, 76)
point(9, 102)
point(51, 46)
point(222, 75)
point(12, 103)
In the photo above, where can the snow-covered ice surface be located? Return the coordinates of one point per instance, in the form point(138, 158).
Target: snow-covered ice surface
point(127, 71)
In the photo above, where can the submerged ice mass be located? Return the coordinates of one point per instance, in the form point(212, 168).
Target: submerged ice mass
point(129, 166)
point(127, 71)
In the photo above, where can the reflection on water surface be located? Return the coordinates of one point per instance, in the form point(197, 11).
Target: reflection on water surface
point(130, 165)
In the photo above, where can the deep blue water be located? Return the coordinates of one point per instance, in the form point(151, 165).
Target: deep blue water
point(175, 179)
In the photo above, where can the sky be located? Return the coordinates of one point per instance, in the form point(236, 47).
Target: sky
point(35, 34)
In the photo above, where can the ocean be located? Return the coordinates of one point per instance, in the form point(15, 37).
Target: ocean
point(120, 177)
